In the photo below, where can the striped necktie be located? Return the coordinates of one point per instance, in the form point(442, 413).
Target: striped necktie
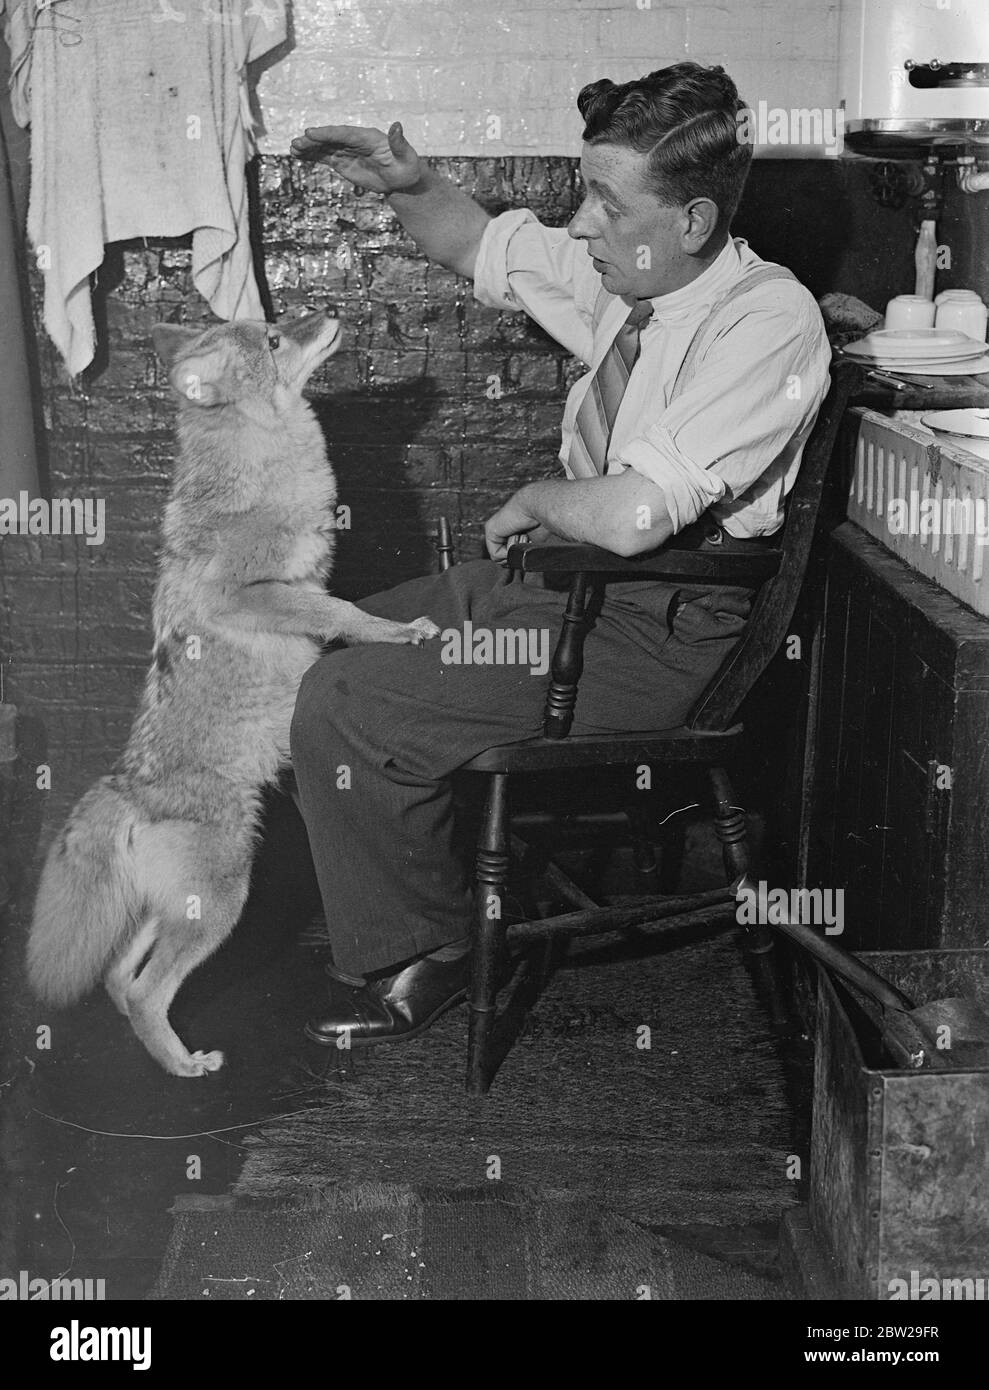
point(596, 415)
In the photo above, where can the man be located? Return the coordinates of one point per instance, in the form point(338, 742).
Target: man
point(670, 425)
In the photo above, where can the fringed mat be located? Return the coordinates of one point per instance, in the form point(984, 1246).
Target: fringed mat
point(693, 1128)
point(395, 1243)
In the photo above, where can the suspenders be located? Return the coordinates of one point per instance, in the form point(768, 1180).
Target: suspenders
point(706, 329)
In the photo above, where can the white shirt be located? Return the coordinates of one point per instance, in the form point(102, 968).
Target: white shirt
point(733, 438)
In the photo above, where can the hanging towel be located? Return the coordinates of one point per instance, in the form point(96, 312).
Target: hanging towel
point(18, 22)
point(140, 128)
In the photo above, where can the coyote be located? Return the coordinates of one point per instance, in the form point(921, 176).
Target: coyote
point(151, 871)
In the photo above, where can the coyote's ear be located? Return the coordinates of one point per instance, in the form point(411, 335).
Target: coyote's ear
point(197, 377)
point(170, 338)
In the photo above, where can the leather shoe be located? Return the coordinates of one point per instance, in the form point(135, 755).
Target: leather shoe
point(394, 1008)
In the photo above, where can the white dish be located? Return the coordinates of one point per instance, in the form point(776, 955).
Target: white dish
point(970, 348)
point(974, 366)
point(966, 355)
point(909, 364)
point(927, 344)
point(977, 447)
point(972, 424)
point(909, 339)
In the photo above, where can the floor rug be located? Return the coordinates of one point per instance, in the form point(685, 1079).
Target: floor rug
point(390, 1243)
point(647, 1087)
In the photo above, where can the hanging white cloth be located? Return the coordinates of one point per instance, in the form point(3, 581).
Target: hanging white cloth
point(18, 24)
point(140, 127)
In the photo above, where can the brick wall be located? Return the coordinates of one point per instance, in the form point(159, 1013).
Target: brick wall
point(447, 66)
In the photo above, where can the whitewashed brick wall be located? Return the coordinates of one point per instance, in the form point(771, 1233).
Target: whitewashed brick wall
point(447, 66)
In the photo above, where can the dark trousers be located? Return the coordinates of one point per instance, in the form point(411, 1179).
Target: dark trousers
point(379, 730)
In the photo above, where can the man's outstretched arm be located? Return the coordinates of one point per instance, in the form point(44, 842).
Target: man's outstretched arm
point(444, 222)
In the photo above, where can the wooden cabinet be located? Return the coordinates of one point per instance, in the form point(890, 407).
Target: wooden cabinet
point(899, 801)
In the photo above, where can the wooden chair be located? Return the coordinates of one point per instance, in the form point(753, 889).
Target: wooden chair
point(708, 741)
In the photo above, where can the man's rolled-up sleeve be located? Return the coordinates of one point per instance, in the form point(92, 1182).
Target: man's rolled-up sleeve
point(738, 424)
point(523, 265)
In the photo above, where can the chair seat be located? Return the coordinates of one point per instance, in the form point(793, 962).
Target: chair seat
point(680, 745)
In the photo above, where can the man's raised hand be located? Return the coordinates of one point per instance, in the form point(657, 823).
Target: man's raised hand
point(363, 155)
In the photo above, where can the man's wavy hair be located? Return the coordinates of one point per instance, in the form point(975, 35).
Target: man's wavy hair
point(685, 118)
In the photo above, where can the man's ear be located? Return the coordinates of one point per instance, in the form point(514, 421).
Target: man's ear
point(703, 217)
point(170, 339)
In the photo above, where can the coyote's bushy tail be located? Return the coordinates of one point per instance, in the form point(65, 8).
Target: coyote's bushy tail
point(87, 897)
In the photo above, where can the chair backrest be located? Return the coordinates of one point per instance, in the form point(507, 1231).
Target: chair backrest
point(773, 609)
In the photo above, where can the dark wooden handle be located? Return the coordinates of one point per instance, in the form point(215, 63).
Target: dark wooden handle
point(444, 545)
point(567, 664)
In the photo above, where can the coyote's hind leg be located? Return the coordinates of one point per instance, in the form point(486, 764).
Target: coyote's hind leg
point(120, 976)
point(180, 947)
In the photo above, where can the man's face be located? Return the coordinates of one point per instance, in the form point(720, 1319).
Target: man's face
point(635, 241)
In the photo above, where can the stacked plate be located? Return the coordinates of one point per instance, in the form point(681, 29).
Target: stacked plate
point(970, 429)
point(971, 424)
point(921, 351)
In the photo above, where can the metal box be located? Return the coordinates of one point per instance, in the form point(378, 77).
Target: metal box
point(899, 1182)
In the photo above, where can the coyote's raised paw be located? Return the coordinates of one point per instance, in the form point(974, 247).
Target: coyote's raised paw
point(421, 630)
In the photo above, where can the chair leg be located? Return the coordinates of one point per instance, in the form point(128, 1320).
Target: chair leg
point(730, 826)
point(674, 849)
point(643, 852)
point(757, 941)
point(493, 858)
point(567, 662)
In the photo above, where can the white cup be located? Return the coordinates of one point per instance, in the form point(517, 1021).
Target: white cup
point(909, 311)
point(962, 310)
